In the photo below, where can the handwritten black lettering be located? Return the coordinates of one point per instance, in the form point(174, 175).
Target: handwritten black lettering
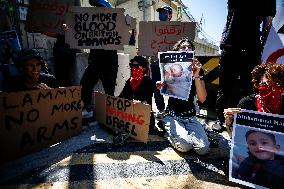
point(26, 140)
point(122, 125)
point(27, 99)
point(41, 95)
point(7, 106)
point(41, 134)
point(72, 106)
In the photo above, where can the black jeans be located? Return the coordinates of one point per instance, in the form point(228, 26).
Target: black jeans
point(235, 68)
point(156, 76)
point(104, 67)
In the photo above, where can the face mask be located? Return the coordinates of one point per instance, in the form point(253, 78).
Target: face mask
point(269, 98)
point(163, 16)
point(136, 77)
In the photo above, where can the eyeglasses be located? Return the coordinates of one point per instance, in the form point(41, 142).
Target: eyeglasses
point(264, 83)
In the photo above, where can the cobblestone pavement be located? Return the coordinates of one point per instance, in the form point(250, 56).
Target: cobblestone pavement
point(90, 160)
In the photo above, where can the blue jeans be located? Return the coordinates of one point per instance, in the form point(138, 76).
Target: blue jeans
point(186, 134)
point(156, 76)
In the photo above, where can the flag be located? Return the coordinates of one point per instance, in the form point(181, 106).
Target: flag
point(274, 47)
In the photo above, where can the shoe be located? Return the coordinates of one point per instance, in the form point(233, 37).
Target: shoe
point(160, 115)
point(120, 139)
point(217, 126)
point(87, 114)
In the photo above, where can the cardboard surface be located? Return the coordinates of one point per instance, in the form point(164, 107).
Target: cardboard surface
point(158, 36)
point(123, 115)
point(32, 120)
point(47, 16)
point(97, 28)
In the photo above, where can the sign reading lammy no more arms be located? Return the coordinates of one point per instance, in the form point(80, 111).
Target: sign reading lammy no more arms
point(97, 28)
point(159, 36)
point(123, 115)
point(31, 120)
point(47, 16)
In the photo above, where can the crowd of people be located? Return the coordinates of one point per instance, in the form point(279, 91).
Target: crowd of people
point(249, 84)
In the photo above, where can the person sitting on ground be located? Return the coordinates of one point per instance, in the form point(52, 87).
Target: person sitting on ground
point(30, 64)
point(139, 87)
point(264, 166)
point(268, 83)
point(183, 130)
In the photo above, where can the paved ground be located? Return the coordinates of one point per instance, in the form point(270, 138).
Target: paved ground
point(90, 160)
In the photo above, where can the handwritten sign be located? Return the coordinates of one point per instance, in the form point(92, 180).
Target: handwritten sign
point(97, 28)
point(123, 115)
point(47, 16)
point(31, 120)
point(160, 36)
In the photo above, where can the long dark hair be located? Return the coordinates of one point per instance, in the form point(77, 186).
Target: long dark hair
point(183, 40)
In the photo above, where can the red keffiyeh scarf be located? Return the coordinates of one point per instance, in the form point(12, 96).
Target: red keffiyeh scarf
point(269, 99)
point(136, 77)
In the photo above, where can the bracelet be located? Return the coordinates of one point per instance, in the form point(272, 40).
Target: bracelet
point(197, 77)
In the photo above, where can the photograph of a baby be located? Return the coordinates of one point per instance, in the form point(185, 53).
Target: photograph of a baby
point(177, 77)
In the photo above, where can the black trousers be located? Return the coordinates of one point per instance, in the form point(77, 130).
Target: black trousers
point(235, 68)
point(103, 67)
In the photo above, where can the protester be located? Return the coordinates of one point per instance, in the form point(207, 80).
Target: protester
point(30, 64)
point(64, 61)
point(103, 65)
point(264, 166)
point(241, 44)
point(184, 131)
point(268, 83)
point(139, 87)
point(165, 14)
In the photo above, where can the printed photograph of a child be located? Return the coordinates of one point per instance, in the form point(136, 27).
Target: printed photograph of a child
point(257, 157)
point(178, 79)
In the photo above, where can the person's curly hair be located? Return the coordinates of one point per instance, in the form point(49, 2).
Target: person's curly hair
point(180, 42)
point(272, 71)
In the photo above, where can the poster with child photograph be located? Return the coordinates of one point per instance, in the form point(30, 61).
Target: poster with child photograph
point(176, 73)
point(257, 152)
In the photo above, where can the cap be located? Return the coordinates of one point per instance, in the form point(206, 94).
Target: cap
point(100, 3)
point(27, 54)
point(165, 8)
point(141, 60)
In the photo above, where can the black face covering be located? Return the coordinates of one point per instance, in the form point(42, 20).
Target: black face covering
point(95, 3)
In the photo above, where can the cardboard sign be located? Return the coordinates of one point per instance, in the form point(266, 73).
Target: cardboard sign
point(32, 120)
point(258, 141)
point(161, 36)
point(176, 73)
point(97, 28)
point(123, 115)
point(47, 16)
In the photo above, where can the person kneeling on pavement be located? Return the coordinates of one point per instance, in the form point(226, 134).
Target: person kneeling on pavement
point(183, 130)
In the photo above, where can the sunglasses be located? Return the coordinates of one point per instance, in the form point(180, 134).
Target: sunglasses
point(134, 65)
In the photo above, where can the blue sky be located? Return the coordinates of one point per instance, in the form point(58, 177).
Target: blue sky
point(214, 12)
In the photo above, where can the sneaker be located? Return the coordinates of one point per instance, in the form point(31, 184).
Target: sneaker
point(160, 115)
point(217, 126)
point(87, 114)
point(120, 139)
